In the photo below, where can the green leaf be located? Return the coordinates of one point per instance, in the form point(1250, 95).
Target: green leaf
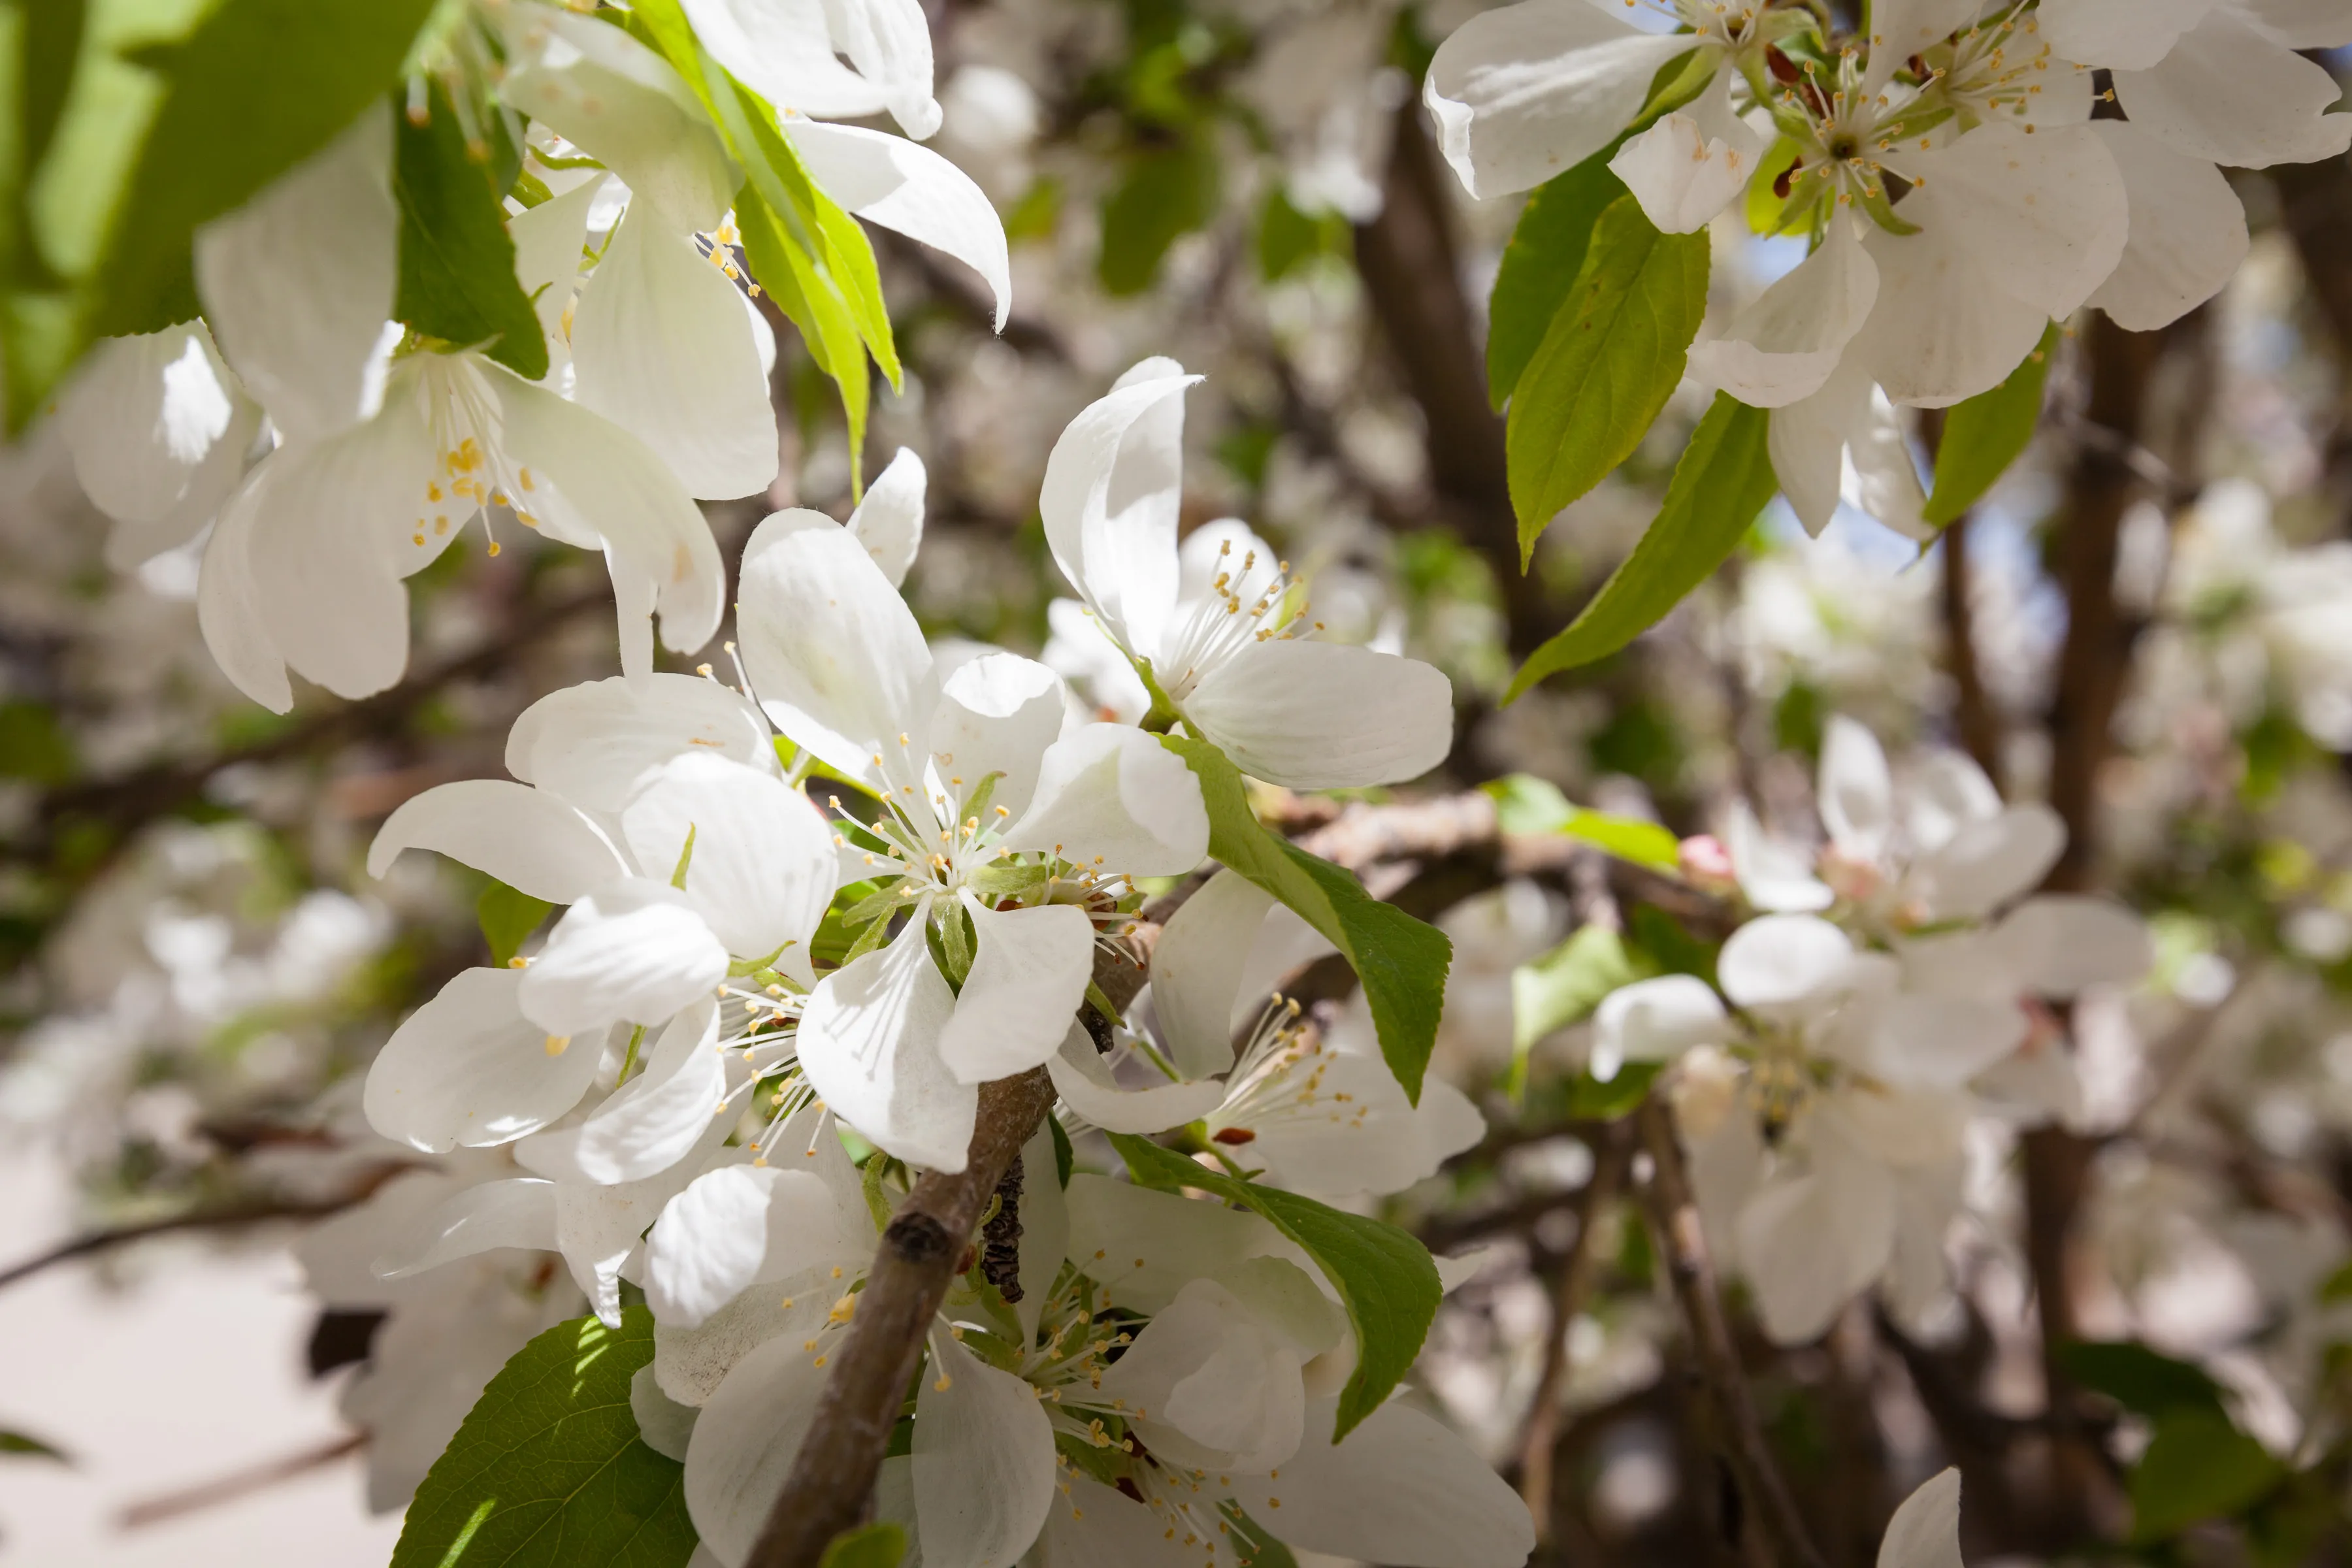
point(1563, 985)
point(1592, 1100)
point(29, 1448)
point(457, 262)
point(878, 1545)
point(1385, 1279)
point(804, 293)
point(34, 746)
point(1065, 1158)
point(549, 1469)
point(2197, 1467)
point(2142, 1381)
point(1723, 480)
point(178, 113)
point(1984, 434)
point(1401, 961)
point(1288, 239)
point(1168, 192)
point(1254, 1547)
point(1528, 807)
point(1540, 264)
point(508, 918)
point(1610, 359)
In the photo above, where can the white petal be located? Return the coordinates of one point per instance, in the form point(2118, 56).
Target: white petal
point(623, 105)
point(1318, 715)
point(598, 1228)
point(1114, 799)
point(226, 610)
point(1857, 794)
point(660, 347)
point(141, 416)
point(2304, 24)
point(1925, 1531)
point(666, 1426)
point(1401, 1490)
point(1807, 441)
point(1044, 1229)
point(691, 1363)
point(835, 655)
point(1374, 1142)
point(1988, 863)
point(632, 952)
point(298, 282)
point(869, 1042)
point(1144, 1247)
point(2059, 944)
point(910, 190)
point(468, 1068)
point(1028, 975)
point(1941, 331)
point(735, 1227)
point(1902, 28)
point(889, 42)
point(1082, 1080)
point(596, 477)
point(2045, 213)
point(652, 1122)
point(1809, 1243)
point(1949, 792)
point(1092, 1525)
point(745, 1442)
point(482, 1219)
point(997, 714)
point(1196, 970)
point(782, 50)
point(984, 1468)
point(592, 744)
point(1773, 873)
point(1215, 1385)
point(1883, 477)
point(2188, 231)
point(889, 521)
point(1690, 165)
point(763, 870)
point(2232, 94)
point(1776, 960)
point(1932, 1042)
point(548, 241)
point(1783, 347)
point(2124, 36)
point(1655, 1021)
point(1112, 488)
point(526, 838)
point(1524, 92)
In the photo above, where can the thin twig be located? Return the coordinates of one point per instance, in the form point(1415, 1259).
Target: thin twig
point(1973, 713)
point(239, 1484)
point(203, 1219)
point(1571, 1284)
point(1682, 1244)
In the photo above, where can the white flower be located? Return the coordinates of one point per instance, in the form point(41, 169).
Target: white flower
point(1219, 627)
point(2217, 79)
point(994, 825)
point(1314, 1114)
point(1925, 1531)
point(790, 52)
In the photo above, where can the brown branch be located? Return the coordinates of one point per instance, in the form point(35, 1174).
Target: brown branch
point(922, 1250)
point(1571, 1284)
point(239, 1484)
point(1973, 713)
point(99, 1241)
point(1723, 1382)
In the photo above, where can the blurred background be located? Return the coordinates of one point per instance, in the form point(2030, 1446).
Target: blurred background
point(197, 968)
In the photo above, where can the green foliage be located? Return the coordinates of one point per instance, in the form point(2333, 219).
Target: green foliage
point(1253, 1547)
point(1385, 1279)
point(1722, 482)
point(457, 262)
point(23, 1446)
point(1566, 984)
point(1540, 264)
point(1659, 944)
point(1168, 191)
point(878, 1545)
point(1527, 805)
point(1984, 434)
point(508, 918)
point(34, 746)
point(1612, 356)
point(1592, 1100)
point(2142, 1381)
point(1288, 238)
point(1400, 961)
point(549, 1467)
point(173, 112)
point(2197, 1467)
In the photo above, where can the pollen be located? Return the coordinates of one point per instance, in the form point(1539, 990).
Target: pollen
point(555, 1044)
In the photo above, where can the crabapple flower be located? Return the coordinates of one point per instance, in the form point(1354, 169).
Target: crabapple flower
point(1314, 1113)
point(1009, 839)
point(1217, 626)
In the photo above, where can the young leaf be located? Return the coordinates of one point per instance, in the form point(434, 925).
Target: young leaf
point(1168, 193)
point(1525, 805)
point(879, 1545)
point(164, 131)
point(508, 918)
point(1540, 265)
point(1592, 1100)
point(1564, 984)
point(2142, 1381)
point(1984, 434)
point(1722, 482)
point(2197, 1467)
point(549, 1471)
point(24, 1447)
point(457, 262)
point(1385, 1279)
point(793, 279)
point(1400, 961)
point(1611, 358)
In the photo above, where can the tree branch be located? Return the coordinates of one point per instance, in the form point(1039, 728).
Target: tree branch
point(1731, 1414)
point(1973, 713)
point(921, 1252)
point(1571, 1284)
point(99, 1241)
